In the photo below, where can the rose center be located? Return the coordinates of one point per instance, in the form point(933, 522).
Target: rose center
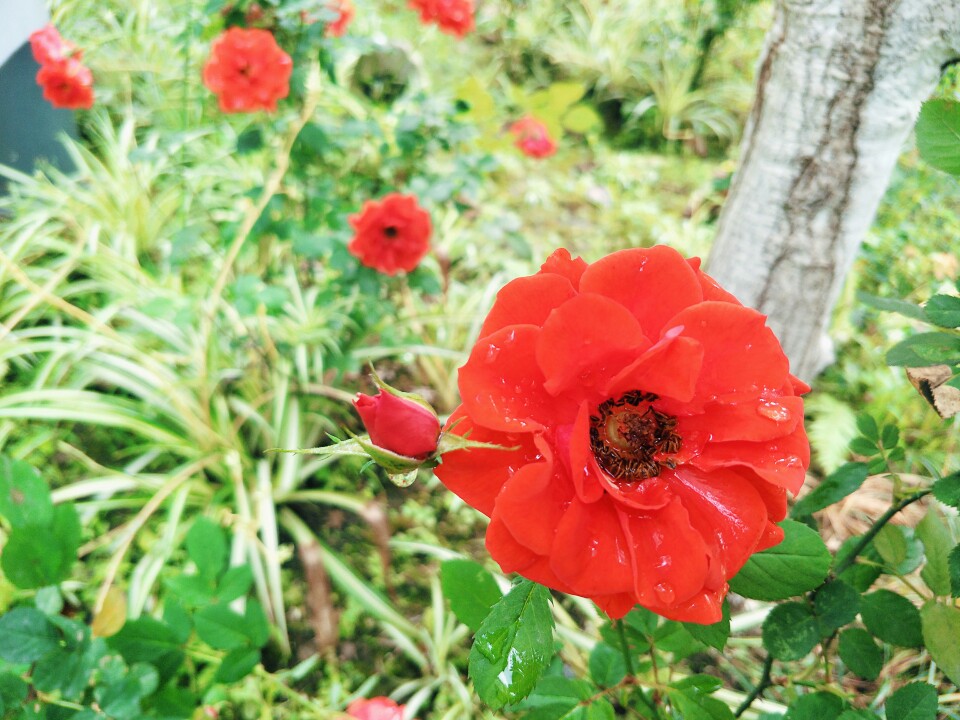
point(631, 439)
point(390, 231)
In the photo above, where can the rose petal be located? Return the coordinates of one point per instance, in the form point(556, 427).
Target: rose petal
point(727, 511)
point(502, 386)
point(591, 553)
point(503, 547)
point(711, 288)
point(782, 462)
point(527, 301)
point(477, 475)
point(538, 486)
point(668, 555)
point(765, 418)
point(654, 284)
point(742, 357)
point(560, 263)
point(616, 606)
point(586, 340)
point(669, 369)
point(586, 476)
point(705, 608)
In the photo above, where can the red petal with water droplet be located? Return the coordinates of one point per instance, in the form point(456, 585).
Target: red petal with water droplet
point(783, 461)
point(584, 342)
point(742, 357)
point(760, 419)
point(527, 301)
point(669, 369)
point(586, 476)
point(477, 475)
point(654, 284)
point(502, 386)
point(591, 552)
point(539, 486)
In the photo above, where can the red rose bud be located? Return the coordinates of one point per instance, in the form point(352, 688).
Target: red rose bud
point(399, 423)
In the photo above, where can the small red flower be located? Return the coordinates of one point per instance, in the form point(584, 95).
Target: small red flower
point(345, 13)
point(247, 71)
point(378, 708)
point(49, 46)
point(656, 431)
point(454, 17)
point(399, 424)
point(391, 235)
point(533, 138)
point(66, 83)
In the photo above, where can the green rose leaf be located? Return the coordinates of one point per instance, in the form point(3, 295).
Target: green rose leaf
point(790, 631)
point(941, 628)
point(26, 635)
point(924, 349)
point(953, 567)
point(513, 645)
point(937, 542)
point(947, 490)
point(916, 701)
point(815, 706)
point(835, 604)
point(798, 564)
point(207, 547)
point(861, 654)
point(840, 483)
point(237, 664)
point(891, 618)
point(938, 134)
point(24, 496)
point(471, 590)
point(30, 564)
point(943, 310)
point(607, 666)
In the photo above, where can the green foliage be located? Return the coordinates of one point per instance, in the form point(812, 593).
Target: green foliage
point(916, 701)
point(938, 134)
point(471, 590)
point(798, 564)
point(513, 645)
point(790, 631)
point(891, 618)
point(940, 624)
point(860, 653)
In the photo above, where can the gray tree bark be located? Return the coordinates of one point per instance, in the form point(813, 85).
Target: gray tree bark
point(839, 86)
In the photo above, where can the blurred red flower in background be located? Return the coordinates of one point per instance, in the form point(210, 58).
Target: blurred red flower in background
point(533, 138)
point(49, 46)
point(378, 708)
point(454, 17)
point(345, 12)
point(247, 70)
point(392, 234)
point(67, 84)
point(656, 427)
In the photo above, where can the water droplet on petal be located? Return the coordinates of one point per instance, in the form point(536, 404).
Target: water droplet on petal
point(665, 593)
point(774, 411)
point(492, 352)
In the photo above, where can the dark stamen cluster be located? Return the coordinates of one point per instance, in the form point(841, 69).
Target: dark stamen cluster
point(628, 436)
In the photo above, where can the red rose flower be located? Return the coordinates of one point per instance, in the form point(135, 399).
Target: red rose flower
point(454, 17)
point(247, 71)
point(391, 235)
point(533, 138)
point(399, 424)
point(48, 46)
point(66, 83)
point(656, 429)
point(345, 13)
point(378, 708)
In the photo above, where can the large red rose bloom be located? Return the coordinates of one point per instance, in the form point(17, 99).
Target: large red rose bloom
point(391, 235)
point(247, 71)
point(655, 427)
point(454, 17)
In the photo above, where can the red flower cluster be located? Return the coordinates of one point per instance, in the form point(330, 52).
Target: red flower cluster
point(247, 71)
point(533, 138)
point(345, 13)
point(391, 235)
point(454, 17)
point(655, 430)
point(66, 82)
point(378, 708)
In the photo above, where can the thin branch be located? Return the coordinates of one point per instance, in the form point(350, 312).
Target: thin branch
point(762, 685)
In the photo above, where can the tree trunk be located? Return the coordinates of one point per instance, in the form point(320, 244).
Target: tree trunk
point(838, 89)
